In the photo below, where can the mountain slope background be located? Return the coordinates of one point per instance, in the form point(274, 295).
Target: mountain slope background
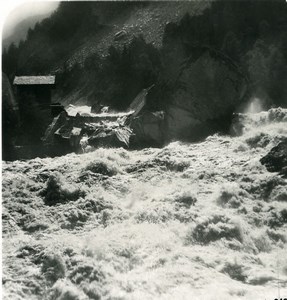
point(21, 29)
point(206, 59)
point(79, 41)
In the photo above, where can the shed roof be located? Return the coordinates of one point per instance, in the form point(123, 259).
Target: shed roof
point(30, 80)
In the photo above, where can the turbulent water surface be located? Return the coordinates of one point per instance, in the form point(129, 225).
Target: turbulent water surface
point(189, 221)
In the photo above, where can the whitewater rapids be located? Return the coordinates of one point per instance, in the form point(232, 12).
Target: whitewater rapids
point(189, 221)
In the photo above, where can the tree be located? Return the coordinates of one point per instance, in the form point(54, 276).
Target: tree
point(231, 46)
point(10, 61)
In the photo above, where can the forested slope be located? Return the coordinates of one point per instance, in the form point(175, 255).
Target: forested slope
point(205, 59)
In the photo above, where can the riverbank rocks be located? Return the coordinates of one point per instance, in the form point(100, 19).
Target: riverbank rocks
point(276, 159)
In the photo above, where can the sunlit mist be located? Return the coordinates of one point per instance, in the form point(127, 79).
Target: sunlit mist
point(26, 10)
point(254, 106)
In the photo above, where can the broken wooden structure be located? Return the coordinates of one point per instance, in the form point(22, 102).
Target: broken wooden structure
point(76, 130)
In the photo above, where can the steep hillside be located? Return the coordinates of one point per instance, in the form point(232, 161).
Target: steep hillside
point(148, 20)
point(78, 31)
point(82, 42)
point(206, 60)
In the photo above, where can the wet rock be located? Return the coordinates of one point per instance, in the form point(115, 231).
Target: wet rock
point(276, 159)
point(148, 129)
point(120, 35)
point(96, 108)
point(196, 108)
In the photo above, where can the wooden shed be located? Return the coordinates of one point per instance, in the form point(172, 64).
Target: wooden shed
point(35, 88)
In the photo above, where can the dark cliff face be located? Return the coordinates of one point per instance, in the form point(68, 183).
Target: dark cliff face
point(209, 91)
point(214, 62)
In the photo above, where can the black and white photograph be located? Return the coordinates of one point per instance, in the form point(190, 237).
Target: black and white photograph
point(144, 150)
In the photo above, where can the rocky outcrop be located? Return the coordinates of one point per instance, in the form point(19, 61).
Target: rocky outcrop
point(206, 89)
point(276, 159)
point(179, 122)
point(148, 129)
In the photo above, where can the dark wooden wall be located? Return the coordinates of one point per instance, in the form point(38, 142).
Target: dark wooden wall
point(40, 94)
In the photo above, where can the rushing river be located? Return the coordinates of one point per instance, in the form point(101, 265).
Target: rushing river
point(189, 221)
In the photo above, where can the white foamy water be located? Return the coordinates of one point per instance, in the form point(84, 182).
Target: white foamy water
point(189, 221)
point(85, 110)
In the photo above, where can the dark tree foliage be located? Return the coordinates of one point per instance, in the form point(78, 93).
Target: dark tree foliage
point(119, 77)
point(234, 28)
point(252, 34)
point(9, 61)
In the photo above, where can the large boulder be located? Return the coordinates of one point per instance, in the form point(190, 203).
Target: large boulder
point(148, 129)
point(207, 89)
point(276, 159)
